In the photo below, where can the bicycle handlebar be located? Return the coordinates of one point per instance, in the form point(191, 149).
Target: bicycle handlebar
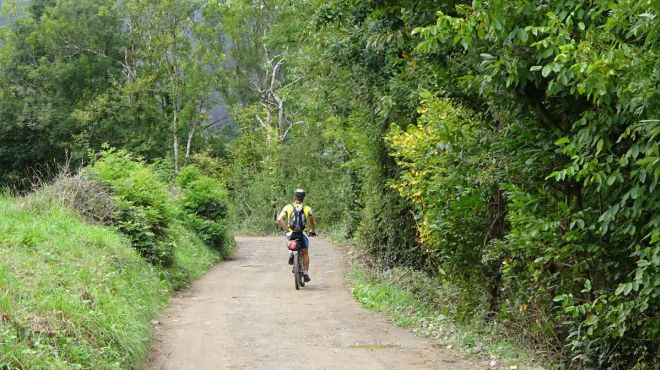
point(310, 233)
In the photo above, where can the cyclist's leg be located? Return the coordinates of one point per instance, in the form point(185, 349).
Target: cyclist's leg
point(290, 257)
point(305, 254)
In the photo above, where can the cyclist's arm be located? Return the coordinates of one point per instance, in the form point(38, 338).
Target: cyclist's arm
point(280, 220)
point(312, 223)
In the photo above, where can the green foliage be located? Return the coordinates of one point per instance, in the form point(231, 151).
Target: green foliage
point(47, 73)
point(134, 74)
point(144, 210)
point(149, 215)
point(175, 66)
point(203, 204)
point(584, 233)
point(250, 178)
point(123, 116)
point(506, 148)
point(454, 210)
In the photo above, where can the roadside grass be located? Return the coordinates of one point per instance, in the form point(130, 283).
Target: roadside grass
point(380, 293)
point(77, 295)
point(191, 258)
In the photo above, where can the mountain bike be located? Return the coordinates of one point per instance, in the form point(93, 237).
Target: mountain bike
point(298, 270)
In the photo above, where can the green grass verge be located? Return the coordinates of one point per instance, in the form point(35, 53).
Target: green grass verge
point(379, 293)
point(191, 258)
point(75, 295)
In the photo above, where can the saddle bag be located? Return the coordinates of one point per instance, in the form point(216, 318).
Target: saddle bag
point(293, 245)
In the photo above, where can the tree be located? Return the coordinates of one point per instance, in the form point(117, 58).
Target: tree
point(50, 69)
point(178, 40)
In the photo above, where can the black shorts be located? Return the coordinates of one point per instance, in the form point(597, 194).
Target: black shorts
point(300, 236)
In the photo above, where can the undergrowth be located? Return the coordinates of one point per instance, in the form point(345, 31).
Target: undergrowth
point(388, 294)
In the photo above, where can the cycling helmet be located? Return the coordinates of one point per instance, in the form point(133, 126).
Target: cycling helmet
point(299, 193)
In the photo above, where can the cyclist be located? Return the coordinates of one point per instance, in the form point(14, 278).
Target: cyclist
point(297, 214)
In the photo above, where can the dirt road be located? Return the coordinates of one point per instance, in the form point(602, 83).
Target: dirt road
point(246, 314)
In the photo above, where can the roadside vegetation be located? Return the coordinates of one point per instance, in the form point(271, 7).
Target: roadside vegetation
point(418, 302)
point(89, 260)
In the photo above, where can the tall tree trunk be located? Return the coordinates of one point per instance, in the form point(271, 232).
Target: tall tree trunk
point(191, 134)
point(175, 134)
point(280, 120)
point(175, 101)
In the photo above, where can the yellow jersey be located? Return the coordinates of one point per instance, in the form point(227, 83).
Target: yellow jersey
point(288, 209)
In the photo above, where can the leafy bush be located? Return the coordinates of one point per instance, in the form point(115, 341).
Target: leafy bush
point(210, 166)
point(203, 203)
point(509, 247)
point(144, 211)
point(457, 221)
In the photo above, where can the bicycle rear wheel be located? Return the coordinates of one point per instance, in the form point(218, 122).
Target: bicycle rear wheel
point(301, 269)
point(301, 275)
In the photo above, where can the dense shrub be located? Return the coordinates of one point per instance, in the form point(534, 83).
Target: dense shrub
point(144, 211)
point(540, 263)
point(488, 228)
point(449, 173)
point(572, 89)
point(203, 204)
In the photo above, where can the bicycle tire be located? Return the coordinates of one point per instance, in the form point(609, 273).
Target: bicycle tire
point(301, 270)
point(296, 269)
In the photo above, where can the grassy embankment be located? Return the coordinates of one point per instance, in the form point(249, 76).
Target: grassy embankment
point(75, 293)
